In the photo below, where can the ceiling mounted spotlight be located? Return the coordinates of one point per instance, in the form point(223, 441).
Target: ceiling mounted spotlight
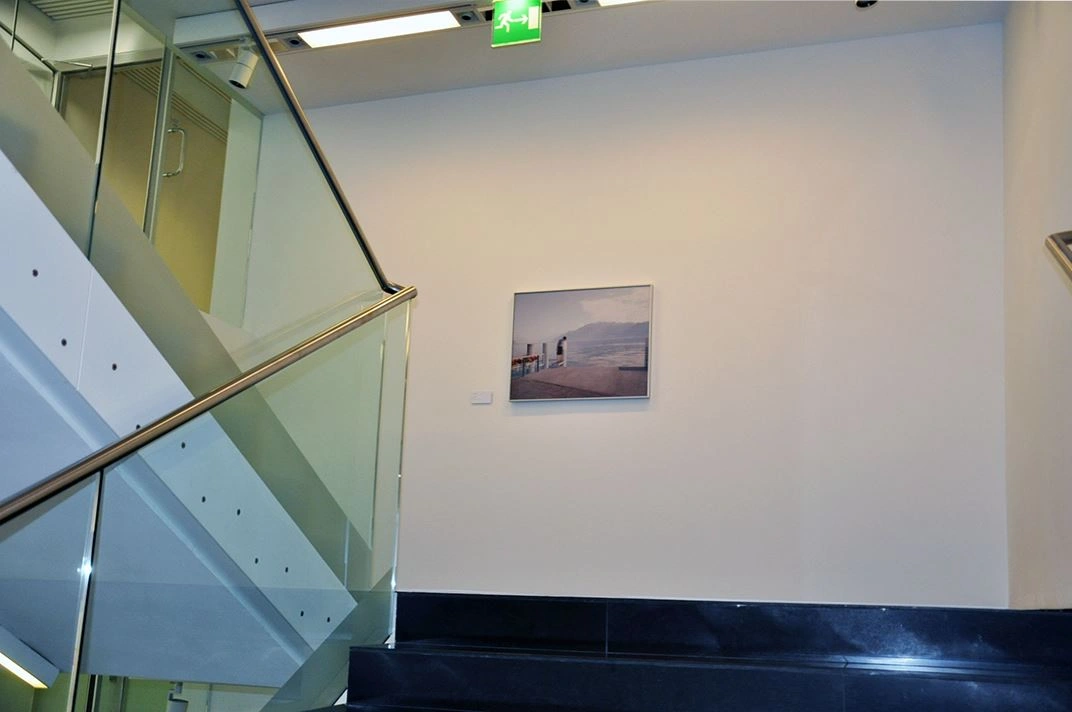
point(245, 64)
point(467, 15)
point(864, 4)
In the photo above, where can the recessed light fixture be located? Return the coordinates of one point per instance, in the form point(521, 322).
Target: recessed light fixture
point(31, 668)
point(18, 671)
point(380, 29)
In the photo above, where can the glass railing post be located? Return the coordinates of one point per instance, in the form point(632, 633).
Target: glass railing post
point(79, 685)
point(389, 463)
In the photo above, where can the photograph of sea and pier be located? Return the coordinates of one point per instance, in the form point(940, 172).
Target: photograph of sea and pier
point(581, 343)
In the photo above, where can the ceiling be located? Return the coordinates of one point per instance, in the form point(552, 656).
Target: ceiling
point(580, 41)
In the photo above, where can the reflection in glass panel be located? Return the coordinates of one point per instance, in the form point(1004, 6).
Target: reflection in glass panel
point(57, 159)
point(80, 96)
point(66, 38)
point(132, 109)
point(7, 22)
point(43, 557)
point(132, 694)
point(40, 72)
point(187, 215)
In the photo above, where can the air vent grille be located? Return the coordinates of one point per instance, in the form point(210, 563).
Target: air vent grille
point(70, 9)
point(148, 78)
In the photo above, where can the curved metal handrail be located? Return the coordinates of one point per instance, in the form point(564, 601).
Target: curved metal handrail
point(276, 70)
point(91, 464)
point(1060, 244)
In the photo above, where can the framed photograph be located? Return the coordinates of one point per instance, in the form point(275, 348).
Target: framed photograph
point(581, 343)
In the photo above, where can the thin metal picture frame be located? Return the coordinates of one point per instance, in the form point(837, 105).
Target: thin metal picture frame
point(611, 350)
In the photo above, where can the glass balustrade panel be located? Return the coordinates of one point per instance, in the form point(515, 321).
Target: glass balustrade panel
point(44, 559)
point(244, 585)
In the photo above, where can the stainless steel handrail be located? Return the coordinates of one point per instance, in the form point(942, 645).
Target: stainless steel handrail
point(108, 456)
point(276, 70)
point(1060, 244)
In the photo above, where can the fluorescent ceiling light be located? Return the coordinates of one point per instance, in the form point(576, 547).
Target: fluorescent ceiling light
point(31, 668)
point(18, 671)
point(379, 29)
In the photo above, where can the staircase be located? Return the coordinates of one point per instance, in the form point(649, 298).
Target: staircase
point(499, 653)
point(203, 374)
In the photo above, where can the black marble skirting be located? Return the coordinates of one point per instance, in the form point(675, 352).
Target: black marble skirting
point(513, 682)
point(1031, 642)
point(530, 654)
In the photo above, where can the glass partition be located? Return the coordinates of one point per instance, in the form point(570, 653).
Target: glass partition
point(247, 246)
point(212, 219)
point(55, 152)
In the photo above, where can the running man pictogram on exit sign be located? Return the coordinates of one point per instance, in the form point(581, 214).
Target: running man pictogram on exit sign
point(516, 22)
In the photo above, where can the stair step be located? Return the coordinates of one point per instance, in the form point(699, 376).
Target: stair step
point(860, 635)
point(453, 707)
point(483, 681)
point(489, 682)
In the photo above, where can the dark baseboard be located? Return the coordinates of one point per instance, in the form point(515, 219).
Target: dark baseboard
point(487, 653)
point(869, 637)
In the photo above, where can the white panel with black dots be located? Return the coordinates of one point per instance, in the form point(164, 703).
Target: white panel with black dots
point(44, 278)
point(201, 465)
point(123, 375)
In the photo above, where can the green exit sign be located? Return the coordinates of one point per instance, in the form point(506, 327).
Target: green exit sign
point(515, 22)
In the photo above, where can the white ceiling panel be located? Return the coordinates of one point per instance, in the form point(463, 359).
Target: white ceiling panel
point(582, 41)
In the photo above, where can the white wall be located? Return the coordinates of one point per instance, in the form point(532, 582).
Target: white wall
point(823, 227)
point(1038, 301)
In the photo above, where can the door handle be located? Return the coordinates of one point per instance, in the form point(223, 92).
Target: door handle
point(182, 152)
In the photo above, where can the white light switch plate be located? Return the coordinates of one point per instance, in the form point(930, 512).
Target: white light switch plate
point(480, 398)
